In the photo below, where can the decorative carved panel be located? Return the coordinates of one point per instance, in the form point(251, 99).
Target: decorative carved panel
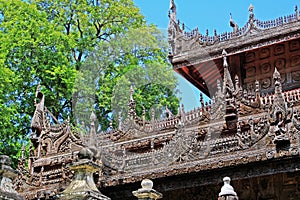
point(264, 53)
point(266, 83)
point(283, 78)
point(265, 68)
point(294, 45)
point(285, 57)
point(279, 49)
point(280, 63)
point(250, 57)
point(251, 71)
point(295, 61)
point(296, 76)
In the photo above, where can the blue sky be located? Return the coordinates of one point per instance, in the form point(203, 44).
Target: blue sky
point(213, 14)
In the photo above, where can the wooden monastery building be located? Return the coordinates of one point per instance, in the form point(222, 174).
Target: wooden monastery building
point(249, 130)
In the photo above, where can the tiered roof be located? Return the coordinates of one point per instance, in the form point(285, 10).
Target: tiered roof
point(198, 57)
point(235, 128)
point(239, 127)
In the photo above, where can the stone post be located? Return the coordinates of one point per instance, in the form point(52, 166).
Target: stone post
point(227, 191)
point(83, 185)
point(146, 192)
point(7, 175)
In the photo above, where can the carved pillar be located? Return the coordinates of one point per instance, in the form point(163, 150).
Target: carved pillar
point(227, 191)
point(146, 192)
point(7, 175)
point(83, 185)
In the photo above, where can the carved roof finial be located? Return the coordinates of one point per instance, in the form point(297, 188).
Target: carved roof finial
point(168, 112)
point(38, 89)
point(224, 55)
point(93, 117)
point(23, 152)
point(219, 85)
point(233, 24)
point(251, 8)
point(131, 104)
point(236, 78)
point(227, 82)
point(37, 93)
point(277, 82)
point(131, 93)
point(276, 75)
point(93, 120)
point(251, 15)
point(256, 86)
point(172, 6)
point(111, 124)
point(152, 114)
point(38, 119)
point(92, 129)
point(68, 120)
point(201, 101)
point(120, 120)
point(172, 12)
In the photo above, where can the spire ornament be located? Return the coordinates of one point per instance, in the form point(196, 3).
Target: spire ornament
point(224, 55)
point(251, 16)
point(173, 27)
point(93, 129)
point(251, 8)
point(131, 104)
point(227, 84)
point(233, 24)
point(172, 9)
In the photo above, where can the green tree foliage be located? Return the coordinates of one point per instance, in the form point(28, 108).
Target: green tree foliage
point(51, 42)
point(138, 58)
point(10, 136)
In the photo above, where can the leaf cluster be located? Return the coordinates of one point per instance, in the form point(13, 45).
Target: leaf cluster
point(85, 54)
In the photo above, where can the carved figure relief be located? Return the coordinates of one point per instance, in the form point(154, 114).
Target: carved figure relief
point(280, 116)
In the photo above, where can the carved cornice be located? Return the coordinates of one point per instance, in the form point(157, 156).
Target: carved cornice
point(193, 56)
point(190, 48)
